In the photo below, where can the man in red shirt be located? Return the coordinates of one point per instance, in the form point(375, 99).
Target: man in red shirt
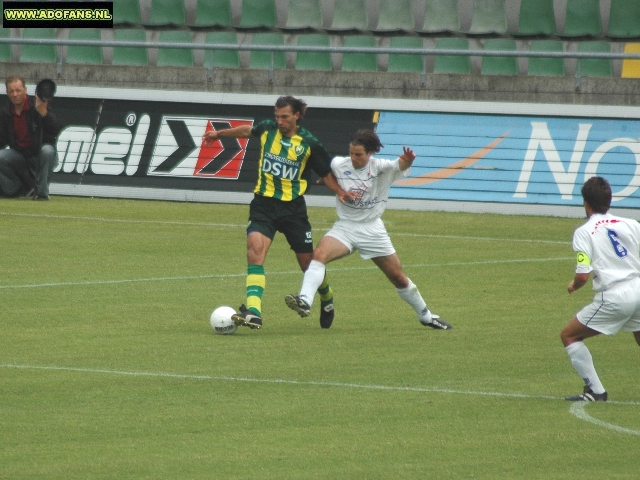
point(29, 128)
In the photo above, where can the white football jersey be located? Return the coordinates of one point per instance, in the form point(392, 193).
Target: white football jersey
point(371, 183)
point(612, 245)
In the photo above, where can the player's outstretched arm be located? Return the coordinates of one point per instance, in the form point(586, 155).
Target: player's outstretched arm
point(243, 131)
point(330, 181)
point(407, 158)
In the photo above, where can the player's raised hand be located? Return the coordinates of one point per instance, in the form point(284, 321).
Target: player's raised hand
point(408, 154)
point(407, 158)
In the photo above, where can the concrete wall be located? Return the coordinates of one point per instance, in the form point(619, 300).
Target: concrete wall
point(593, 90)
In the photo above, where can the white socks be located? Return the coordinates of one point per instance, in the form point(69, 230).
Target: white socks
point(313, 278)
point(583, 363)
point(412, 296)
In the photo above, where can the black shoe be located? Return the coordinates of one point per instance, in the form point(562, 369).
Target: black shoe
point(42, 198)
point(247, 318)
point(588, 396)
point(437, 323)
point(327, 312)
point(295, 303)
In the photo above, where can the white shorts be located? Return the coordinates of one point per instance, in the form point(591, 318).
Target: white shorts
point(614, 310)
point(370, 239)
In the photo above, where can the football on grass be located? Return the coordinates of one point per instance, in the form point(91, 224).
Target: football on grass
point(221, 321)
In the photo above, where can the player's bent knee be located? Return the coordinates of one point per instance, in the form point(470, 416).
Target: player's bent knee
point(323, 255)
point(567, 337)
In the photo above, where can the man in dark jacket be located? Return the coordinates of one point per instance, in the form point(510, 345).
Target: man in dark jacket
point(29, 129)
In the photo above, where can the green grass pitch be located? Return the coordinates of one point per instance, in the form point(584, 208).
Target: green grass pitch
point(109, 367)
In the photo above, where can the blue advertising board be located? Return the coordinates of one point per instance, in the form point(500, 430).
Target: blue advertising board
point(512, 158)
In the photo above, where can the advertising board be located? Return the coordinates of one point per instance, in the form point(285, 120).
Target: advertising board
point(146, 149)
point(513, 158)
point(472, 156)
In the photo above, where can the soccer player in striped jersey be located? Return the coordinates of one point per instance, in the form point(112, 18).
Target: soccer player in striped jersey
point(287, 150)
point(609, 247)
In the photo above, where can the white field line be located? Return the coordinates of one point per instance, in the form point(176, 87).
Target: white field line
point(119, 220)
point(290, 272)
point(278, 381)
point(243, 225)
point(485, 239)
point(576, 408)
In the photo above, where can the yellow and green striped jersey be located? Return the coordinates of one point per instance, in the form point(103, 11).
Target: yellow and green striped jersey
point(283, 161)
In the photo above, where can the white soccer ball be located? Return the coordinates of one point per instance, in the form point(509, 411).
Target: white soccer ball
point(221, 321)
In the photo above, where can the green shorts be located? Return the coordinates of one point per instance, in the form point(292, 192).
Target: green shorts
point(270, 215)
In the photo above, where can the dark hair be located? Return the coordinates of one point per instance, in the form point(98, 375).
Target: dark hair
point(13, 78)
point(367, 139)
point(597, 193)
point(296, 104)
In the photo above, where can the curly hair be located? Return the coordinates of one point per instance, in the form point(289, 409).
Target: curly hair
point(367, 139)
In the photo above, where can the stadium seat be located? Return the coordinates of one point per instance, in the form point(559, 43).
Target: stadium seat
point(349, 15)
point(258, 15)
point(624, 19)
point(304, 15)
point(452, 63)
point(38, 53)
point(549, 66)
point(130, 55)
point(489, 17)
point(582, 19)
point(402, 62)
point(395, 16)
point(262, 58)
point(213, 14)
point(441, 16)
point(536, 18)
point(85, 54)
point(126, 13)
point(221, 58)
point(359, 62)
point(175, 57)
point(167, 13)
point(500, 65)
point(5, 48)
point(596, 67)
point(631, 68)
point(314, 60)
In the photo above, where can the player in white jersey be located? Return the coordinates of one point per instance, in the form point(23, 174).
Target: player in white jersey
point(608, 246)
point(367, 179)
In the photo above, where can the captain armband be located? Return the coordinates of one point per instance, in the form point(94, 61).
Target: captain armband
point(583, 259)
